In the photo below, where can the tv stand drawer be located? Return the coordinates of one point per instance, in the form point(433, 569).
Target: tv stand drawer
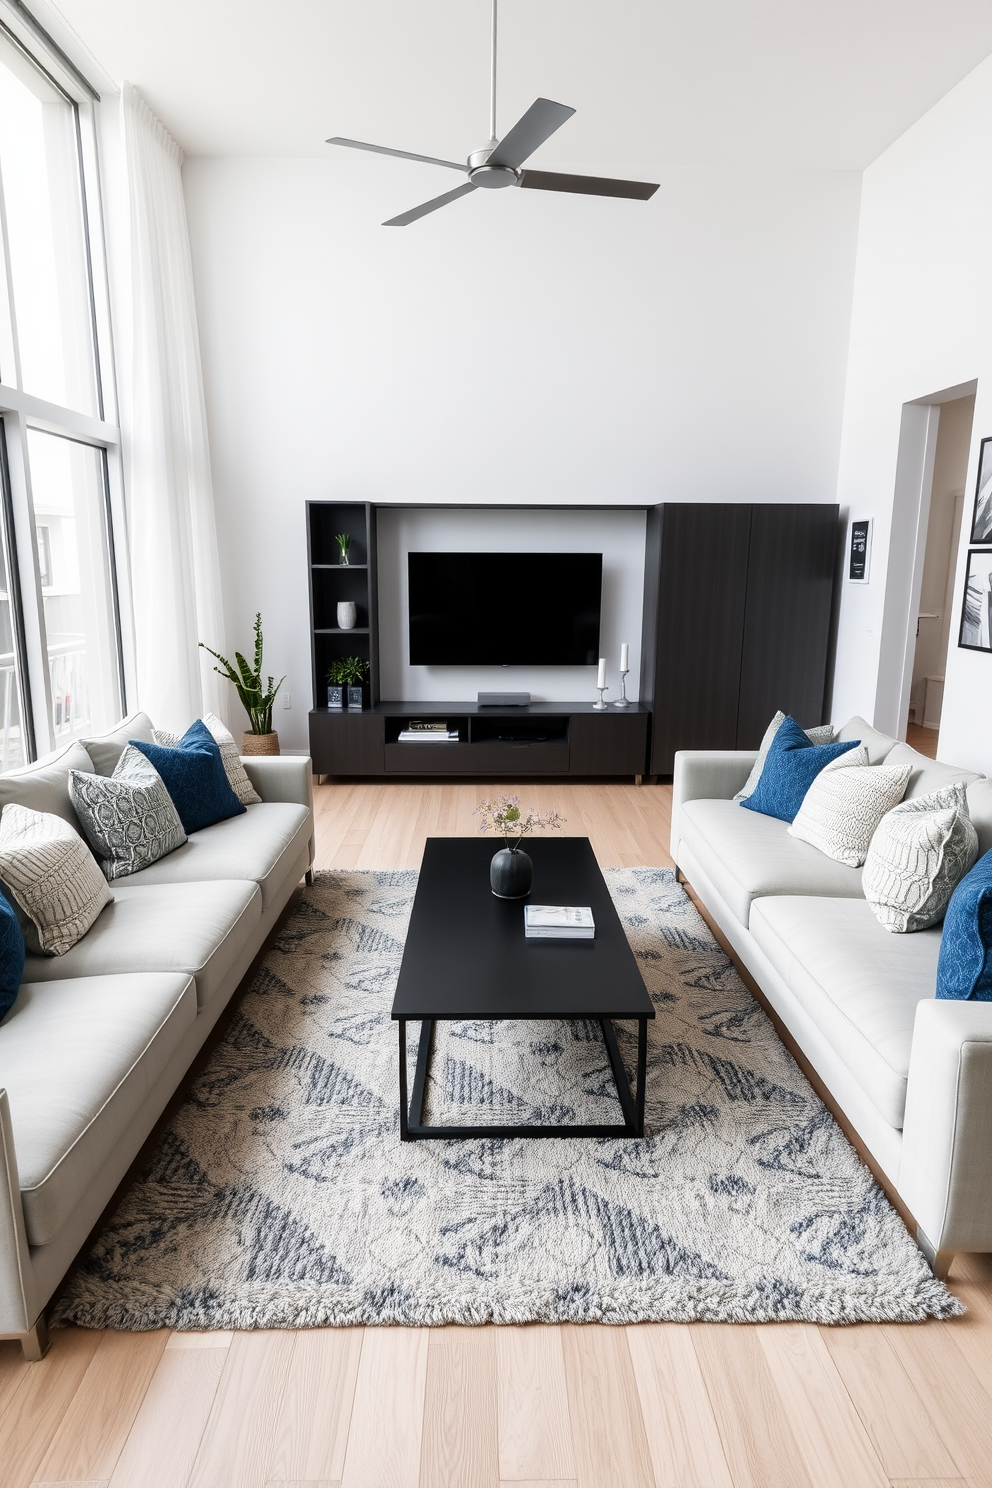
point(488, 758)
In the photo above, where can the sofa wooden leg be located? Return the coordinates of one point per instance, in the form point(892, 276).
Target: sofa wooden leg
point(34, 1345)
point(308, 877)
point(939, 1261)
point(679, 875)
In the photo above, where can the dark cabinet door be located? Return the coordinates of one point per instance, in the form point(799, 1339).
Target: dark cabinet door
point(608, 743)
point(697, 612)
point(790, 581)
point(346, 743)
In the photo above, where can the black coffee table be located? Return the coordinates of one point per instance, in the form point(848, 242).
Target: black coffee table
point(466, 957)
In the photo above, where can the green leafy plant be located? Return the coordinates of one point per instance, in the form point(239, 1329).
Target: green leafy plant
point(343, 541)
point(505, 815)
point(348, 671)
point(257, 701)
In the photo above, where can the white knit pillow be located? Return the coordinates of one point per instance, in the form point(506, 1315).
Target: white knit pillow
point(919, 853)
point(53, 876)
point(845, 804)
point(229, 756)
point(822, 734)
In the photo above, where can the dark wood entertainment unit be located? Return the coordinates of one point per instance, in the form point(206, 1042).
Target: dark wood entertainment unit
point(738, 604)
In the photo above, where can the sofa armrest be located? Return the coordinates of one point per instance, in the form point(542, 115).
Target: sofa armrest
point(945, 1171)
point(283, 777)
point(707, 775)
point(18, 1293)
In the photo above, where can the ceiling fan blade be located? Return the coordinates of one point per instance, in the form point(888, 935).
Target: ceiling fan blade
point(531, 129)
point(337, 139)
point(405, 218)
point(587, 185)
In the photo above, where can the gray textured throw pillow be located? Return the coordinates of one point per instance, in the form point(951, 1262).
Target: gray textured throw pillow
point(52, 877)
point(129, 817)
point(918, 855)
point(822, 734)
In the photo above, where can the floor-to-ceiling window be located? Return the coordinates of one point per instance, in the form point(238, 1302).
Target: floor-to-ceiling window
point(61, 673)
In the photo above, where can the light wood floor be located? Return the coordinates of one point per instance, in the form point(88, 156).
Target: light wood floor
point(661, 1406)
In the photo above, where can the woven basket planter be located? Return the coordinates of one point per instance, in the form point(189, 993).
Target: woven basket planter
point(260, 743)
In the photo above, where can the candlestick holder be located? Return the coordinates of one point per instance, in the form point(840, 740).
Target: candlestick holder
point(601, 706)
point(623, 701)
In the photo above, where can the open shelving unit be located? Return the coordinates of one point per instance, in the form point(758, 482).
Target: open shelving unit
point(332, 582)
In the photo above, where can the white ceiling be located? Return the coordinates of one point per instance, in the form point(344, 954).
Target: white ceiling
point(766, 83)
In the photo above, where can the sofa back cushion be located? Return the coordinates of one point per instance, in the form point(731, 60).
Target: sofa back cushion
point(44, 786)
point(980, 810)
point(106, 749)
point(878, 745)
point(927, 775)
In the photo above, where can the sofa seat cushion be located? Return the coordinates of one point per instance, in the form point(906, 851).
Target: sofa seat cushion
point(747, 856)
point(856, 982)
point(77, 1059)
point(200, 929)
point(256, 845)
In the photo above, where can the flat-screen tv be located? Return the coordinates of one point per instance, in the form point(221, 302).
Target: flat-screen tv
point(505, 609)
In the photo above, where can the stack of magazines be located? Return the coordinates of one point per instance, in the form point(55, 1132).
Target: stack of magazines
point(420, 729)
point(558, 922)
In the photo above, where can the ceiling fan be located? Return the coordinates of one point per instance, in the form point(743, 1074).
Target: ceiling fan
point(499, 162)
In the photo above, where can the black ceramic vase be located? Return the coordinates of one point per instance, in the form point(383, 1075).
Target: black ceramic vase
point(511, 874)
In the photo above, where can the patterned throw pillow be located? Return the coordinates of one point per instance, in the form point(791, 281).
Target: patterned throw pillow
point(964, 967)
point(823, 734)
point(845, 804)
point(11, 955)
point(128, 817)
point(792, 765)
point(51, 875)
point(230, 758)
point(918, 855)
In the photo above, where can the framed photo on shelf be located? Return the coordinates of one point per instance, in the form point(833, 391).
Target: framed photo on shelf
point(976, 608)
point(981, 521)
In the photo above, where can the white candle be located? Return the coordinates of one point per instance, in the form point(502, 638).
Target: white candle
point(624, 657)
point(601, 674)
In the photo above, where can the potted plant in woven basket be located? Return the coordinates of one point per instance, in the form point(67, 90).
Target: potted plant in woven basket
point(256, 699)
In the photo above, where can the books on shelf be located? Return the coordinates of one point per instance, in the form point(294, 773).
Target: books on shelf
point(420, 729)
point(558, 922)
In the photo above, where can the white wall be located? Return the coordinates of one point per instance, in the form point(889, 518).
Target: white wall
point(618, 535)
point(517, 347)
point(922, 322)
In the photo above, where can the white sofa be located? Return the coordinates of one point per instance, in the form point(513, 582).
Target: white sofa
point(911, 1074)
point(99, 1039)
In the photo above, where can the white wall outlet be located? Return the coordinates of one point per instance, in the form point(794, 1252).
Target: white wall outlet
point(287, 700)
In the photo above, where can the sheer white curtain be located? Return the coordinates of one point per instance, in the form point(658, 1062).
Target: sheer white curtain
point(175, 570)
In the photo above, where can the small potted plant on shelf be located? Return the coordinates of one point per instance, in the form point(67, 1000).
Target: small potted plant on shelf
point(256, 699)
point(511, 871)
point(343, 541)
point(351, 674)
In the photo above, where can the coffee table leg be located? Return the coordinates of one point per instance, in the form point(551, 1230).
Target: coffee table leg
point(642, 1071)
point(404, 1128)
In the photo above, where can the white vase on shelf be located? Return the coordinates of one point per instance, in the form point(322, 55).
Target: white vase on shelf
point(347, 614)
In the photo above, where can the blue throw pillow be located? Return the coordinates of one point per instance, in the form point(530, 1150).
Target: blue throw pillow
point(195, 778)
point(791, 766)
point(11, 956)
point(964, 968)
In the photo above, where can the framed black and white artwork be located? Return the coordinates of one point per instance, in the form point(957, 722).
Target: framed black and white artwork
point(981, 522)
point(976, 609)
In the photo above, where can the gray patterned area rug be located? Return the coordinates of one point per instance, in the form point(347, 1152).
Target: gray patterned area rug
point(281, 1195)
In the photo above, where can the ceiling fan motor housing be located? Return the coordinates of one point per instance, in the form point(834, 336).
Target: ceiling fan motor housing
point(491, 177)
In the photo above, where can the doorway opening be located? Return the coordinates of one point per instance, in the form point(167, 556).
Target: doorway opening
point(940, 550)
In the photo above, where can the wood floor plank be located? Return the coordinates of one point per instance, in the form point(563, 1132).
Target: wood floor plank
point(685, 1444)
point(535, 1436)
point(751, 1416)
point(218, 1340)
point(384, 1443)
point(959, 1404)
point(39, 1402)
point(92, 1433)
point(460, 1447)
point(312, 1431)
point(538, 1483)
point(13, 1366)
point(304, 1483)
point(74, 1483)
point(163, 1442)
point(611, 1449)
point(897, 1418)
point(236, 1448)
point(830, 1434)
